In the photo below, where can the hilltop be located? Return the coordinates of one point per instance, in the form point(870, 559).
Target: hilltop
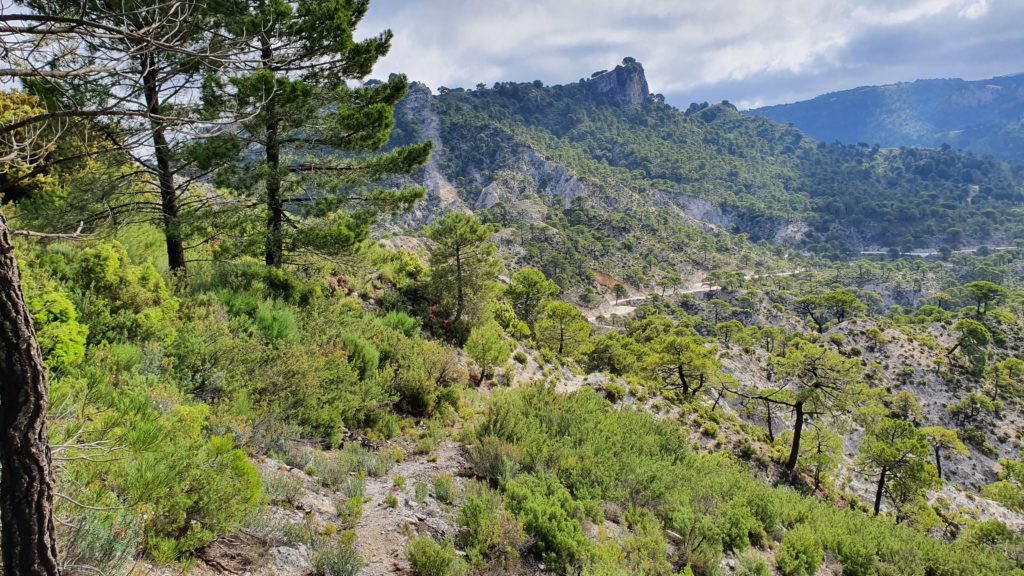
point(983, 116)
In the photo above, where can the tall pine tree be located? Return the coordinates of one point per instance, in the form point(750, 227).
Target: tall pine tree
point(317, 168)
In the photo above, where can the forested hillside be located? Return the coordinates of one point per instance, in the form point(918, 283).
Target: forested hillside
point(983, 116)
point(505, 146)
point(313, 325)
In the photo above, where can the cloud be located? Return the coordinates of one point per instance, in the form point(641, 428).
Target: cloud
point(748, 51)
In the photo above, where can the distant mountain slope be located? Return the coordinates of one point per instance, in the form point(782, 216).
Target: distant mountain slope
point(620, 181)
point(984, 116)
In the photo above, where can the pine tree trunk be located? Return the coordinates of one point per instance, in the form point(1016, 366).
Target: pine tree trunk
point(879, 490)
point(165, 179)
point(274, 243)
point(938, 462)
point(798, 428)
point(26, 484)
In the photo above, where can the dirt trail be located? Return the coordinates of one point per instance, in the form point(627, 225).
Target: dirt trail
point(382, 531)
point(627, 306)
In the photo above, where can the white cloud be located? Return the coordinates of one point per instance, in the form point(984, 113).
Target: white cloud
point(974, 11)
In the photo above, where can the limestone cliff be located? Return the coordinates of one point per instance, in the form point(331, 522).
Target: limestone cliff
point(626, 84)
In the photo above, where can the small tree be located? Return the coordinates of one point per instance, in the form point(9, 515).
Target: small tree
point(727, 330)
point(1006, 375)
point(489, 348)
point(972, 343)
point(812, 307)
point(843, 305)
point(896, 453)
point(313, 131)
point(943, 440)
point(984, 294)
point(562, 328)
point(527, 290)
point(463, 268)
point(814, 381)
point(619, 291)
point(685, 363)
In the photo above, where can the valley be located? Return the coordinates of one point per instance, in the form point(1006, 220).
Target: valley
point(263, 314)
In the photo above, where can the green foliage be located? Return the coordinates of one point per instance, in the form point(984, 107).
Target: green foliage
point(527, 290)
point(576, 451)
point(550, 517)
point(562, 328)
point(339, 558)
point(464, 267)
point(306, 145)
point(488, 347)
point(801, 553)
point(428, 558)
point(488, 533)
point(898, 454)
point(1009, 489)
point(444, 488)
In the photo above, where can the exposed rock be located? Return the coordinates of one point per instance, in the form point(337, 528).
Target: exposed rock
point(626, 84)
point(288, 560)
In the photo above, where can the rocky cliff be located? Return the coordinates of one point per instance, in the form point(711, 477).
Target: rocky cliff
point(626, 84)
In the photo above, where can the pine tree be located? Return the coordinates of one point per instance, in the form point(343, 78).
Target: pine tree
point(131, 83)
point(315, 134)
point(463, 268)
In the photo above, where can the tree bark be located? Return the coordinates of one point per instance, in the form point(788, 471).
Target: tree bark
point(274, 244)
point(26, 484)
point(798, 428)
point(165, 179)
point(938, 461)
point(879, 490)
point(768, 419)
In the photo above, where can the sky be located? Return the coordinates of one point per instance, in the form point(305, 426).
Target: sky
point(750, 52)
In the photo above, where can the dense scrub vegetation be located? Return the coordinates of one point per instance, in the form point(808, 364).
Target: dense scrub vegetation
point(563, 462)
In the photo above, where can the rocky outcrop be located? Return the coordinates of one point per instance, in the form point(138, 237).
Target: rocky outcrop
point(626, 84)
point(418, 111)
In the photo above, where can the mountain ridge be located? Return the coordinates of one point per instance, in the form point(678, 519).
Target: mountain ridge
point(984, 116)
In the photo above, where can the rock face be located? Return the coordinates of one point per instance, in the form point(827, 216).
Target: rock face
point(626, 84)
point(417, 110)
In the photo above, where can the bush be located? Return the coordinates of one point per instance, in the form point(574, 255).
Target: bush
point(489, 458)
point(339, 558)
point(487, 532)
point(750, 565)
point(444, 488)
point(549, 516)
point(428, 558)
point(801, 553)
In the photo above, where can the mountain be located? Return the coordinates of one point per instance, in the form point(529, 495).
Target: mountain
point(616, 179)
point(984, 116)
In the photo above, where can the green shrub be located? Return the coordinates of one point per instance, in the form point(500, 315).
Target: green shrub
point(349, 510)
point(339, 558)
point(281, 487)
point(428, 558)
point(401, 322)
point(489, 458)
point(549, 516)
point(801, 553)
point(750, 565)
point(444, 488)
point(487, 532)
